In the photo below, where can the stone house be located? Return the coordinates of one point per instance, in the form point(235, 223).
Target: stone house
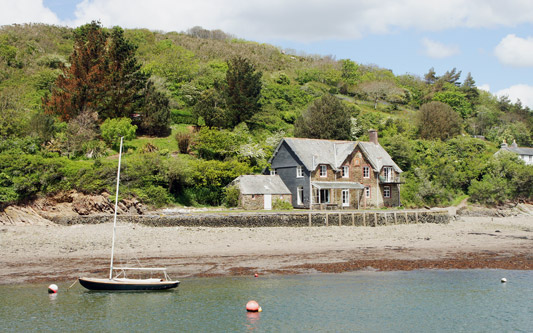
point(339, 174)
point(261, 191)
point(524, 153)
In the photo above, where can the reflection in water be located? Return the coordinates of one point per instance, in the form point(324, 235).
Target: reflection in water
point(464, 300)
point(252, 320)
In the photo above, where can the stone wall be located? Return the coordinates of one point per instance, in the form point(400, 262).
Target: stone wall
point(248, 220)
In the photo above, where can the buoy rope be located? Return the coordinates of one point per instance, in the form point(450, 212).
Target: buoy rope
point(72, 285)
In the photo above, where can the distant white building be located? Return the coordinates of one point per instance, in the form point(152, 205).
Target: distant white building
point(525, 153)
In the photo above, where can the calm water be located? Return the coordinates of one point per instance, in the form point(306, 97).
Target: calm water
point(419, 301)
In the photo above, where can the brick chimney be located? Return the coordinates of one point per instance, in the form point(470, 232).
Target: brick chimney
point(373, 136)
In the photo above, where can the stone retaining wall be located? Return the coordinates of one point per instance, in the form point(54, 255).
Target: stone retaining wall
point(248, 220)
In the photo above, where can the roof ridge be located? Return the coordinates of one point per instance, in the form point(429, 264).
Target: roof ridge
point(327, 140)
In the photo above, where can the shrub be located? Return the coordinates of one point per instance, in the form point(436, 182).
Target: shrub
point(231, 196)
point(156, 196)
point(281, 205)
point(182, 117)
point(113, 129)
point(184, 141)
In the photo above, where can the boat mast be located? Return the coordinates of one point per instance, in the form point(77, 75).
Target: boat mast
point(116, 207)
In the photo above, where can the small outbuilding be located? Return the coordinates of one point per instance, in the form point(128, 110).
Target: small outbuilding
point(524, 153)
point(261, 191)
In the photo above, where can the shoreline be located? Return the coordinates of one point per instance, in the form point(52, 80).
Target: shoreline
point(52, 253)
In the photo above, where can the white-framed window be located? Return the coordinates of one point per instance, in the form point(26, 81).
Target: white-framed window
point(386, 191)
point(345, 171)
point(367, 191)
point(323, 171)
point(273, 172)
point(324, 196)
point(387, 172)
point(366, 172)
point(345, 198)
point(300, 195)
point(299, 172)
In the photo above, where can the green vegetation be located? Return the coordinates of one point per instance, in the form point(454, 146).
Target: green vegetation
point(200, 108)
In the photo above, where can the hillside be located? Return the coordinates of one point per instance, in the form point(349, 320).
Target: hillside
point(208, 107)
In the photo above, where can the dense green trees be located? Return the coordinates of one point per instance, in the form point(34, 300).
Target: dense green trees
point(506, 178)
point(438, 121)
point(243, 90)
point(326, 118)
point(242, 98)
point(104, 77)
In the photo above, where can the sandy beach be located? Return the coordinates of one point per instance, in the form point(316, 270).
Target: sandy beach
point(37, 253)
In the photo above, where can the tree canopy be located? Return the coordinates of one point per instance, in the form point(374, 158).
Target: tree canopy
point(326, 118)
point(438, 121)
point(243, 90)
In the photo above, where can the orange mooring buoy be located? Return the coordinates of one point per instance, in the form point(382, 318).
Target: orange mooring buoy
point(252, 306)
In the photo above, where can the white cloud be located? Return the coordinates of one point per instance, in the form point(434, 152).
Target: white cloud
point(297, 20)
point(25, 11)
point(515, 51)
point(485, 87)
point(438, 50)
point(305, 20)
point(523, 92)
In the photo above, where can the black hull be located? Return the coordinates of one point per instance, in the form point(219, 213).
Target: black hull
point(126, 286)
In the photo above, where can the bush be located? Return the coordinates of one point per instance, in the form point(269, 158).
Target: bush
point(156, 196)
point(281, 205)
point(181, 117)
point(113, 129)
point(231, 196)
point(184, 141)
point(490, 190)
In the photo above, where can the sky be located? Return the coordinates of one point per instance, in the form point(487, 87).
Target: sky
point(491, 39)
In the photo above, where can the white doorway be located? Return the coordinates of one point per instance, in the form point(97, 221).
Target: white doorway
point(268, 201)
point(345, 198)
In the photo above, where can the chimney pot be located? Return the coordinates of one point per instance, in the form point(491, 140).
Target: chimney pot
point(504, 144)
point(373, 136)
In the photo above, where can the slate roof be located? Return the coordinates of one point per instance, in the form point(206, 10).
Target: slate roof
point(519, 150)
point(261, 184)
point(377, 156)
point(313, 152)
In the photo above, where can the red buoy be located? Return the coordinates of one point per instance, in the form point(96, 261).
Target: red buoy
point(256, 275)
point(52, 289)
point(252, 306)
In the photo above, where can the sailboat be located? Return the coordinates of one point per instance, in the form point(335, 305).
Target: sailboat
point(120, 281)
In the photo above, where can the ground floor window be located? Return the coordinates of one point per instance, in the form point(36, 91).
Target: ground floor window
point(322, 196)
point(386, 191)
point(367, 191)
point(300, 195)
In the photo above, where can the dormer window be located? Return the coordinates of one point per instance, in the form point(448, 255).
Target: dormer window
point(345, 171)
point(323, 171)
